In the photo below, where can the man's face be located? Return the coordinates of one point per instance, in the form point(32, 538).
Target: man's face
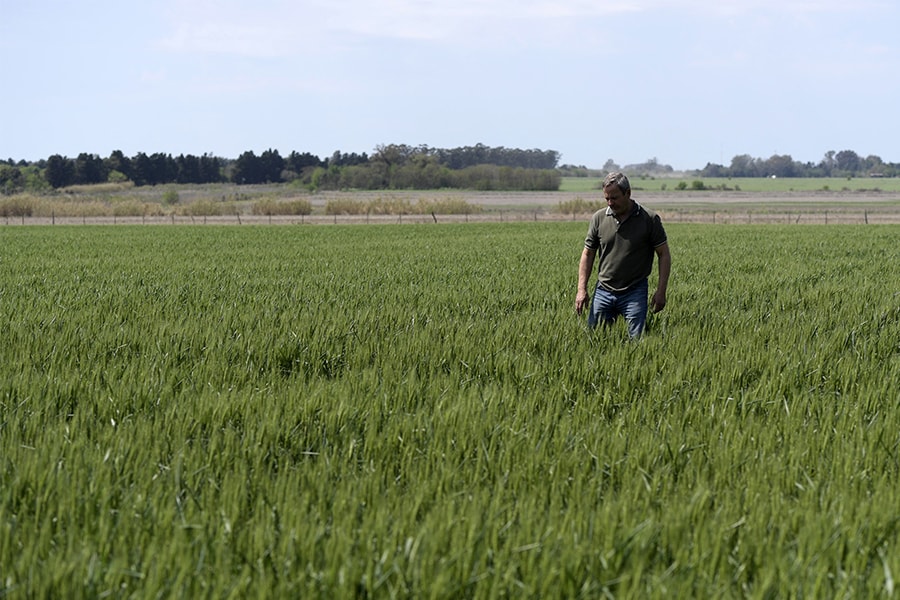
point(616, 200)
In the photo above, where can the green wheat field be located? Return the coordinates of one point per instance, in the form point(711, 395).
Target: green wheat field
point(415, 411)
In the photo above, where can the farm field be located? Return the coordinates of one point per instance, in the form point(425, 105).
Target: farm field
point(746, 184)
point(415, 411)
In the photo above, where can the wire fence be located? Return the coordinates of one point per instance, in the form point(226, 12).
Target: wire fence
point(888, 215)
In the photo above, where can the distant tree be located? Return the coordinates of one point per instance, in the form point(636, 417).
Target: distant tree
point(480, 154)
point(873, 164)
point(781, 166)
point(60, 171)
point(714, 170)
point(117, 161)
point(421, 172)
point(247, 169)
point(610, 166)
point(461, 158)
point(649, 167)
point(344, 159)
point(393, 155)
point(271, 165)
point(744, 165)
point(828, 163)
point(141, 169)
point(811, 169)
point(298, 163)
point(210, 169)
point(358, 177)
point(388, 160)
point(12, 180)
point(165, 169)
point(847, 162)
point(34, 178)
point(188, 169)
point(89, 169)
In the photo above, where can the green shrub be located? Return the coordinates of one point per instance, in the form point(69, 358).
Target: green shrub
point(117, 177)
point(170, 196)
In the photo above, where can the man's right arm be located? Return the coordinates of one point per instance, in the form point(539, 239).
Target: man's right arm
point(584, 274)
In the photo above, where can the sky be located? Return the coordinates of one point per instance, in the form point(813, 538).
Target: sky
point(685, 82)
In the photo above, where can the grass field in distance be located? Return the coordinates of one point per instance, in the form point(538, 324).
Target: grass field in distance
point(745, 184)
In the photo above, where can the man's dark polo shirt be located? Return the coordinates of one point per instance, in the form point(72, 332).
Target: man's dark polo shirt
point(625, 250)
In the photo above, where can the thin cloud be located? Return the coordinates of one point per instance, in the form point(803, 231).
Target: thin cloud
point(280, 28)
point(235, 32)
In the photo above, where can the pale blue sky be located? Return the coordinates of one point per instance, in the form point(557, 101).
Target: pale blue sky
point(684, 81)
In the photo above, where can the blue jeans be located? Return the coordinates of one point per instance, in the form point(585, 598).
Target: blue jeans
point(631, 304)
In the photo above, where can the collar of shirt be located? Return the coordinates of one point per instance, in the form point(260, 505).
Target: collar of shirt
point(634, 211)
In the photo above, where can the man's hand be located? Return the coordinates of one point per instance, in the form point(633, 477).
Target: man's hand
point(658, 301)
point(580, 300)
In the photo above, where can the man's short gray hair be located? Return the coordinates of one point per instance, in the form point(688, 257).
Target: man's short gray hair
point(619, 179)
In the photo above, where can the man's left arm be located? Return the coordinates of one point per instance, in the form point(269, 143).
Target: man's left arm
point(664, 258)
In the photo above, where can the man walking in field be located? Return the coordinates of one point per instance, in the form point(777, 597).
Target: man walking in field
point(626, 236)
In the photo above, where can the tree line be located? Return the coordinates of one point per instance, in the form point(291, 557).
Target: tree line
point(393, 166)
point(396, 166)
point(845, 163)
